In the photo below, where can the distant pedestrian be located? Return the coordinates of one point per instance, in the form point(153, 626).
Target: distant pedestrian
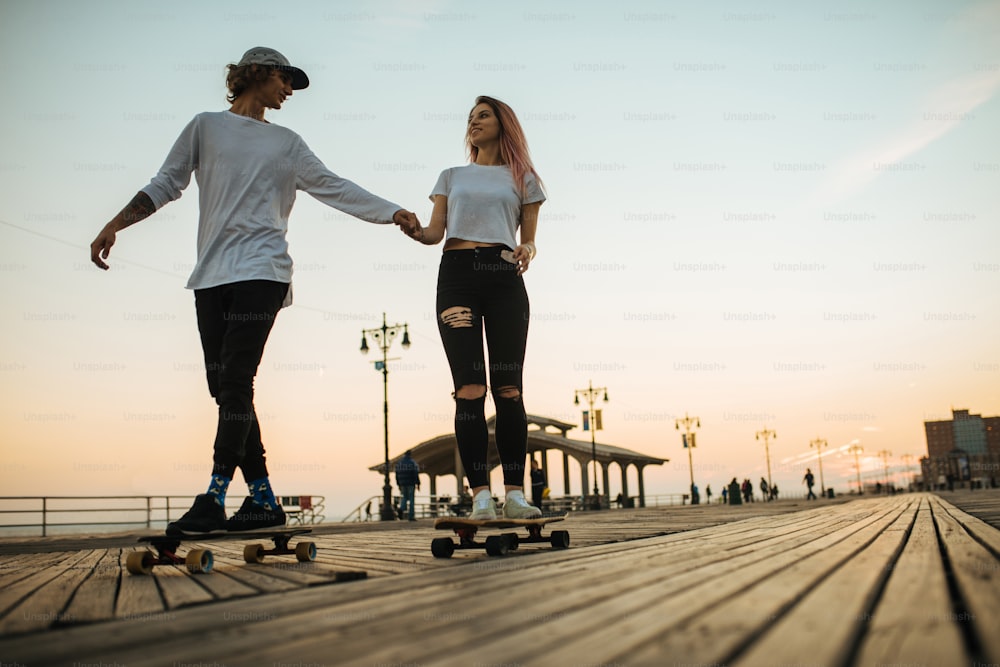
point(408, 480)
point(695, 496)
point(708, 494)
point(725, 494)
point(765, 492)
point(809, 481)
point(774, 492)
point(538, 483)
point(747, 490)
point(368, 511)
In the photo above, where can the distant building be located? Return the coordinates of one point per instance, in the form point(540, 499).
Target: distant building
point(962, 452)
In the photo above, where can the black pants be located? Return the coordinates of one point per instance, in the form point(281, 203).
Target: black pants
point(478, 290)
point(234, 321)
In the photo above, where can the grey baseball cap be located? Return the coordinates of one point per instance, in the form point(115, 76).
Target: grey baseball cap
point(261, 55)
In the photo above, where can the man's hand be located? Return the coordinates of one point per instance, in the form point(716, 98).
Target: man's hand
point(101, 246)
point(406, 220)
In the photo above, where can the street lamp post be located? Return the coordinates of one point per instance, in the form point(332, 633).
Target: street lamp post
point(908, 463)
point(856, 449)
point(885, 454)
point(689, 443)
point(819, 444)
point(590, 395)
point(767, 435)
point(383, 337)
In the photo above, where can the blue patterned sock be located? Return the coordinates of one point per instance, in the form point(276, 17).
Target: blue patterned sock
point(217, 489)
point(260, 491)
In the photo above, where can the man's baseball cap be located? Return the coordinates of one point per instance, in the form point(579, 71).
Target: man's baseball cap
point(261, 55)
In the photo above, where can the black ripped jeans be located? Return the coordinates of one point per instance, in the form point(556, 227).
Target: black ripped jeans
point(478, 289)
point(234, 321)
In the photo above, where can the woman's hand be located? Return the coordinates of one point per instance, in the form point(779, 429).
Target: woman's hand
point(523, 254)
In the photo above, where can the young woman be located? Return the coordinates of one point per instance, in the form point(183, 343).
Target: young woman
point(248, 172)
point(479, 209)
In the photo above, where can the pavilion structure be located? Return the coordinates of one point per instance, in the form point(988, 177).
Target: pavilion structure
point(438, 457)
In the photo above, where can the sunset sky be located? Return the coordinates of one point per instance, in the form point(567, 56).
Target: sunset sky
point(768, 215)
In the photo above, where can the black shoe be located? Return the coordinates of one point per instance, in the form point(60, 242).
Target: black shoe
point(205, 516)
point(251, 516)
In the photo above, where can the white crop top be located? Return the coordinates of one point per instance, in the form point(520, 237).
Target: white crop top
point(483, 204)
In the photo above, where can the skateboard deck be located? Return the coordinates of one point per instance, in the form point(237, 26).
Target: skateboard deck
point(201, 560)
point(495, 545)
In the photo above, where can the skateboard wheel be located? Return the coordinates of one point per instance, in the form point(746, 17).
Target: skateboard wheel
point(513, 541)
point(253, 553)
point(442, 547)
point(496, 545)
point(305, 552)
point(199, 560)
point(140, 562)
point(559, 539)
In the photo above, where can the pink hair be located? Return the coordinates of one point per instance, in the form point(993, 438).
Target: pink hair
point(513, 144)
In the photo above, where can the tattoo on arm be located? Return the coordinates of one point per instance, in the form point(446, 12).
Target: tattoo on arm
point(140, 208)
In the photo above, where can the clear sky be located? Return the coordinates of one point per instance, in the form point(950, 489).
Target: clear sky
point(764, 214)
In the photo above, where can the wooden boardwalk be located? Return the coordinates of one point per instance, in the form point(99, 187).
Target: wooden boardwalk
point(901, 580)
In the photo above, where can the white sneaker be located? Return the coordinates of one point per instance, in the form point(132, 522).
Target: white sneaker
point(483, 506)
point(516, 506)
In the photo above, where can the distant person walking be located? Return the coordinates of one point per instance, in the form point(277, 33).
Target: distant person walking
point(538, 483)
point(725, 494)
point(479, 209)
point(408, 481)
point(765, 492)
point(708, 494)
point(747, 490)
point(248, 172)
point(809, 481)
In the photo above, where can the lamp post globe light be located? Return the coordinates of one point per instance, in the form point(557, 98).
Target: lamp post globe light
point(383, 337)
point(688, 440)
point(590, 395)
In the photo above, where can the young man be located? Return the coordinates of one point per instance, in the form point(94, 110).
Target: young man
point(248, 172)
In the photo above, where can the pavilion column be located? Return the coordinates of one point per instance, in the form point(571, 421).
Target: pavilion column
point(584, 480)
point(642, 485)
point(624, 468)
point(566, 474)
point(434, 485)
point(604, 473)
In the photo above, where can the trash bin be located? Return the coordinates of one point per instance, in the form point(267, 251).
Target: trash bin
point(735, 495)
point(829, 494)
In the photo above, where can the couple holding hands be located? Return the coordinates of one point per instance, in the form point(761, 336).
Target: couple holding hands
point(248, 172)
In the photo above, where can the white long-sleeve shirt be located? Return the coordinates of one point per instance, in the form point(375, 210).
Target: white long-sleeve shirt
point(248, 173)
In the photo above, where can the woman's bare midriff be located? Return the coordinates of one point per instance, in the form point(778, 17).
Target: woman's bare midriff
point(462, 244)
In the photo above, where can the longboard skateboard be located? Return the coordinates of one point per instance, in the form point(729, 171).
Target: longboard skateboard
point(495, 545)
point(202, 560)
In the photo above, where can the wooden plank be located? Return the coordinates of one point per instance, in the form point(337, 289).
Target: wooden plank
point(980, 531)
point(94, 600)
point(138, 596)
point(658, 622)
point(918, 581)
point(44, 605)
point(976, 572)
point(364, 616)
point(178, 586)
point(446, 634)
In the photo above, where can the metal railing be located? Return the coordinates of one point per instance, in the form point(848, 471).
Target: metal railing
point(28, 515)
